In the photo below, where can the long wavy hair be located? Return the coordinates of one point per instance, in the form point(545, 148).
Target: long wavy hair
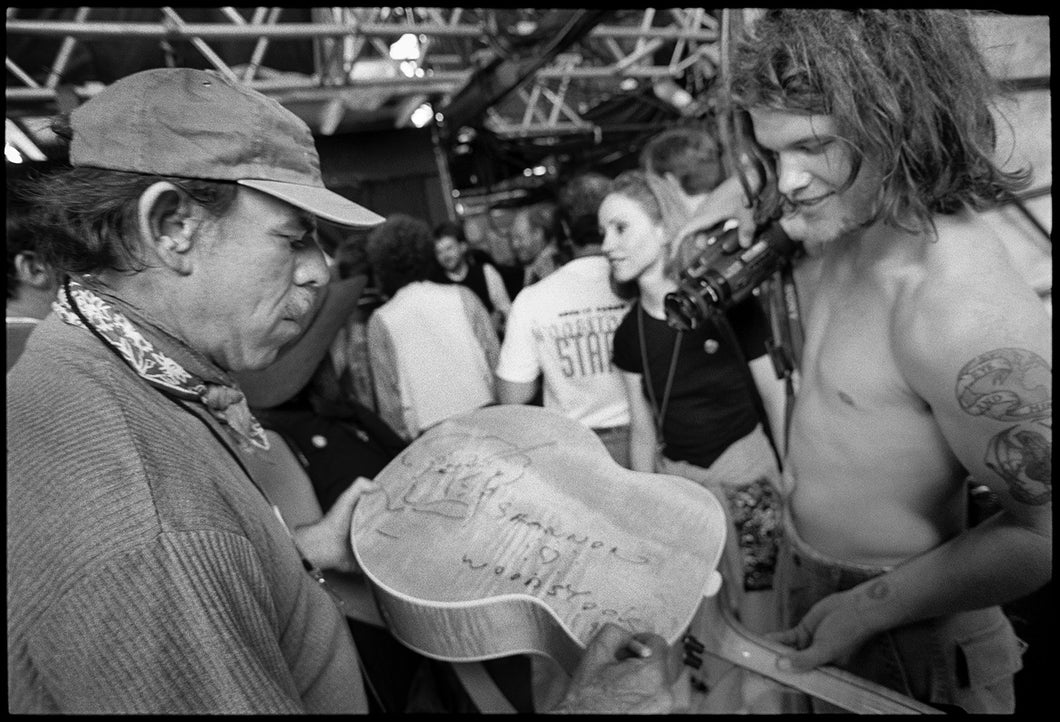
point(908, 89)
point(634, 185)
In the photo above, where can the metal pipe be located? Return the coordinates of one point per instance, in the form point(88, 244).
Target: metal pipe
point(307, 89)
point(13, 68)
point(607, 71)
point(260, 47)
point(201, 46)
point(218, 31)
point(293, 31)
point(65, 52)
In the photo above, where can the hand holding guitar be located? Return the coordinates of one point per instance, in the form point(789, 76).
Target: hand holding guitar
point(832, 628)
point(622, 673)
point(326, 543)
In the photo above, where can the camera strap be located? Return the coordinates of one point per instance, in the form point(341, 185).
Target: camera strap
point(785, 346)
point(659, 412)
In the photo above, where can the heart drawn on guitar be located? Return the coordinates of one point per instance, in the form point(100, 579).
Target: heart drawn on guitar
point(511, 530)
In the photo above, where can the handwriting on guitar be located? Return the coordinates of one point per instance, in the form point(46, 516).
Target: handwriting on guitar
point(582, 599)
point(573, 537)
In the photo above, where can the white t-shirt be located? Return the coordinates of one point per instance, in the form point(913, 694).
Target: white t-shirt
point(561, 328)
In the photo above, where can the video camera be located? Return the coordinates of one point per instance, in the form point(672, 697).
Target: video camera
point(723, 273)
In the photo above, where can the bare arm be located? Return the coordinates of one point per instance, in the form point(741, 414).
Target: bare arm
point(514, 392)
point(297, 361)
point(518, 369)
point(385, 377)
point(642, 439)
point(497, 292)
point(481, 325)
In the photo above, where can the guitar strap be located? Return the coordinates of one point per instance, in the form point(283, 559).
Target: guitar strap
point(734, 643)
point(785, 344)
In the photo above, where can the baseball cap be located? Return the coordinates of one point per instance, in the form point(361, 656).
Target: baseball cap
point(200, 124)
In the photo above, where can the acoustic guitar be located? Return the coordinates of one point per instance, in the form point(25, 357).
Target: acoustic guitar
point(511, 530)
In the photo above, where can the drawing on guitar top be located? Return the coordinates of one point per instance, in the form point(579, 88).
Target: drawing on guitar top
point(457, 477)
point(511, 530)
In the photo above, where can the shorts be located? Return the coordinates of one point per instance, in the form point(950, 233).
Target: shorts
point(745, 479)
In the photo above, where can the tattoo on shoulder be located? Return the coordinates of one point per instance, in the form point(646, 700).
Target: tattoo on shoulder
point(1008, 384)
point(1014, 385)
point(1023, 457)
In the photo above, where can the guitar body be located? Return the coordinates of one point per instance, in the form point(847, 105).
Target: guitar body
point(511, 530)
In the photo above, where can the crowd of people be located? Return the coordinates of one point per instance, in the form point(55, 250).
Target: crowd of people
point(180, 304)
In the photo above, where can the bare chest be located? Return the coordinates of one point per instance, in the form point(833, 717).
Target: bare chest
point(847, 359)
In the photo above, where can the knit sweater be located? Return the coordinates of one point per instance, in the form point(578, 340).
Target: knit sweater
point(145, 572)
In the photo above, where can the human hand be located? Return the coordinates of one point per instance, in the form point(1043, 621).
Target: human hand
point(832, 629)
point(326, 543)
point(612, 678)
point(729, 200)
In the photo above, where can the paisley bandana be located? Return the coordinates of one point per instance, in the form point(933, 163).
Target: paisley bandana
point(219, 395)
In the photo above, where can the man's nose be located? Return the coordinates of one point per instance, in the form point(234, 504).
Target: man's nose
point(311, 267)
point(791, 177)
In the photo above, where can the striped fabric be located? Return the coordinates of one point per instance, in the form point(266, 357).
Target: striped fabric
point(145, 572)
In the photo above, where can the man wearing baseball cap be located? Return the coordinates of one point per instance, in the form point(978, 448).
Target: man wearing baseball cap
point(146, 571)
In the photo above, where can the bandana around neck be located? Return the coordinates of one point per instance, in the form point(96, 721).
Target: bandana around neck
point(220, 396)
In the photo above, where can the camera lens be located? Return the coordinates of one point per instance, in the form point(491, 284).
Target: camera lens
point(682, 313)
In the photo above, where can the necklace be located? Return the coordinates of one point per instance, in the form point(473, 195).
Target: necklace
point(658, 411)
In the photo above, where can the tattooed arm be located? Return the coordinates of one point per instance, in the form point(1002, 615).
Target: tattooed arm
point(976, 348)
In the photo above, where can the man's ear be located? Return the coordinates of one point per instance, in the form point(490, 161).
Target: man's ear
point(168, 221)
point(32, 271)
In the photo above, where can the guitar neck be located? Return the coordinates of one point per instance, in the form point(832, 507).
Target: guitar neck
point(731, 641)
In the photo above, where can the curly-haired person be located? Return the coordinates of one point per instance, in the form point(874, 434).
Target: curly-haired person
point(432, 346)
point(927, 358)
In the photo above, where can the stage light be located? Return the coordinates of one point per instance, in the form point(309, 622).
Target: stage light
point(12, 154)
point(422, 115)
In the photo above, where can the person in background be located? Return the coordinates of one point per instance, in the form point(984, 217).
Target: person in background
point(31, 282)
point(560, 330)
point(927, 357)
point(692, 412)
point(146, 572)
point(683, 167)
point(432, 346)
point(534, 241)
point(687, 156)
point(460, 265)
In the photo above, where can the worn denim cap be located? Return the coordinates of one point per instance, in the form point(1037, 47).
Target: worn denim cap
point(199, 124)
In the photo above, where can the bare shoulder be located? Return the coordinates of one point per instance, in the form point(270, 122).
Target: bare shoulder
point(964, 299)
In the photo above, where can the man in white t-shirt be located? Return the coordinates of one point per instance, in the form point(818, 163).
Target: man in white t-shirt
point(560, 328)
